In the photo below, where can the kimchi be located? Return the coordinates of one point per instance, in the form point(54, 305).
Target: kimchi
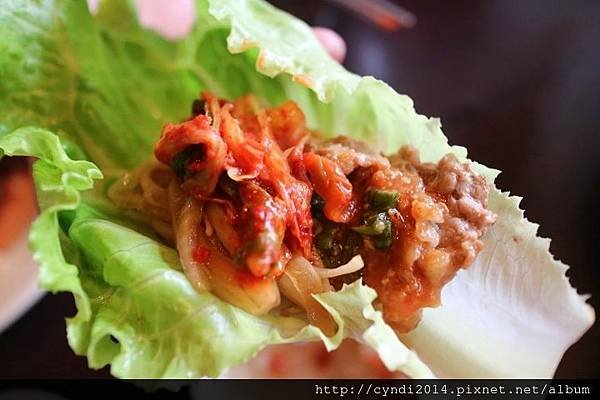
point(266, 212)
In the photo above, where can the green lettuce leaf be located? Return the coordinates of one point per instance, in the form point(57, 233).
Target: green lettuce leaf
point(136, 309)
point(104, 85)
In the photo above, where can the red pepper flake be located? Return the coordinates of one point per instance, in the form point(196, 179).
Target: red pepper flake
point(201, 254)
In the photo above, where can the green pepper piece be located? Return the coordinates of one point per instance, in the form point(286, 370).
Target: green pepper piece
point(382, 200)
point(374, 225)
point(379, 227)
point(384, 240)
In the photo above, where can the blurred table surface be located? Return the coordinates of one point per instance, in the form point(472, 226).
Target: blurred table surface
point(516, 82)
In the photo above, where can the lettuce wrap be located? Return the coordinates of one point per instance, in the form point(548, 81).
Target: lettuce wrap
point(87, 95)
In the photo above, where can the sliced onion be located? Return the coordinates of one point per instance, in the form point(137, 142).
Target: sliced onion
point(255, 295)
point(298, 282)
point(355, 264)
point(228, 236)
point(236, 175)
point(217, 273)
point(187, 214)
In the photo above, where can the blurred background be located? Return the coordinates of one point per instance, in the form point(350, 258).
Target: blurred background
point(516, 82)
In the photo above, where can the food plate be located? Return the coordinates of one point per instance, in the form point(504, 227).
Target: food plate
point(18, 291)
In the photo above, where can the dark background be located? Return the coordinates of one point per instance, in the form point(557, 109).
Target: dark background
point(515, 81)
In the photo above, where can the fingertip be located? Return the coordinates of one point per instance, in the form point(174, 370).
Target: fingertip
point(173, 19)
point(332, 41)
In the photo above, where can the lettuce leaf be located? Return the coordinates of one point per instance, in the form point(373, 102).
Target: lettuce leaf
point(136, 309)
point(104, 85)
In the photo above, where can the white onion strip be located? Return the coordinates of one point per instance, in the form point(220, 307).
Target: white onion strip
point(355, 264)
point(236, 174)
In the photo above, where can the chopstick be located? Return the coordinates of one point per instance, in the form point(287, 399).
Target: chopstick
point(383, 13)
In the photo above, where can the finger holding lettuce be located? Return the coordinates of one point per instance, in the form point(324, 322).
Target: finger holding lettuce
point(88, 95)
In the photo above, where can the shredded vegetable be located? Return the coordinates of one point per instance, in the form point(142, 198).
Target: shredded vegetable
point(355, 264)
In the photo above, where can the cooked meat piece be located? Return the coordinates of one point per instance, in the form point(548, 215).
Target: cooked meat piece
point(442, 216)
